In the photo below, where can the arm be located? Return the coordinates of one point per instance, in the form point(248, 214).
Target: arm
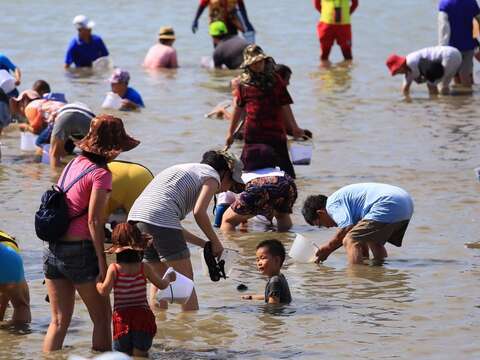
point(129, 105)
point(243, 11)
point(209, 188)
point(105, 288)
point(69, 55)
point(18, 76)
point(336, 242)
point(353, 6)
point(406, 86)
point(432, 89)
point(96, 223)
point(253, 297)
point(157, 280)
point(174, 60)
point(237, 112)
point(103, 49)
point(318, 5)
point(444, 31)
point(201, 7)
point(290, 122)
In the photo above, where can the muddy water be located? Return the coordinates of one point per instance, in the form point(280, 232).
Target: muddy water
point(424, 303)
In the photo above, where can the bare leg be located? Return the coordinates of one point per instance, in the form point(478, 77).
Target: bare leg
point(62, 300)
point(184, 266)
point(284, 221)
point(354, 250)
point(3, 302)
point(378, 250)
point(231, 219)
point(20, 298)
point(100, 313)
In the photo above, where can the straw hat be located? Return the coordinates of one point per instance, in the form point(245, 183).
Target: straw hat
point(107, 137)
point(234, 165)
point(252, 54)
point(166, 33)
point(128, 236)
point(26, 94)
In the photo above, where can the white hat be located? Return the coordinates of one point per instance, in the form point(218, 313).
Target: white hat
point(82, 22)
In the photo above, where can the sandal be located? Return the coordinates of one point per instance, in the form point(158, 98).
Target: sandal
point(216, 269)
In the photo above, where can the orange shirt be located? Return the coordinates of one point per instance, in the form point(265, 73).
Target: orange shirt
point(38, 112)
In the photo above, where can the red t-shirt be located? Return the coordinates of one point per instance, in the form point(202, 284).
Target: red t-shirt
point(263, 120)
point(78, 196)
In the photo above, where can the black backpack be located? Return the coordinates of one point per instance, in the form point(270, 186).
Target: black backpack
point(51, 219)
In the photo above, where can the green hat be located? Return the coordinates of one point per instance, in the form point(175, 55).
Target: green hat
point(251, 54)
point(217, 28)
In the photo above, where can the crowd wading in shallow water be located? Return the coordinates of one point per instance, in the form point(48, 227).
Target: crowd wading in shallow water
point(145, 212)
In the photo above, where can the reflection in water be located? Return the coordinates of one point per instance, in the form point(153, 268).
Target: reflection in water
point(334, 79)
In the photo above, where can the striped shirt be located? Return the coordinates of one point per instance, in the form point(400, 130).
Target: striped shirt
point(129, 290)
point(171, 195)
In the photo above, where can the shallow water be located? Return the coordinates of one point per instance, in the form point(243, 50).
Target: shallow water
point(424, 303)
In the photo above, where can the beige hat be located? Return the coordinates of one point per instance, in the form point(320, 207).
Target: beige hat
point(166, 33)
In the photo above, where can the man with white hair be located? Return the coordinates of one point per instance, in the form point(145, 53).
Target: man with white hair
point(85, 48)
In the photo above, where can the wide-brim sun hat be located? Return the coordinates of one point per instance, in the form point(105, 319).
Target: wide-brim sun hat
point(15, 102)
point(82, 22)
point(107, 137)
point(127, 236)
point(166, 33)
point(234, 165)
point(217, 28)
point(395, 63)
point(252, 54)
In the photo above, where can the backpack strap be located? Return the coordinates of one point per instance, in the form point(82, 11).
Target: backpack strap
point(65, 174)
point(79, 177)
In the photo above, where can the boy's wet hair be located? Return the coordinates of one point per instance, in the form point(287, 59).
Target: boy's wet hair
point(274, 248)
point(311, 205)
point(41, 87)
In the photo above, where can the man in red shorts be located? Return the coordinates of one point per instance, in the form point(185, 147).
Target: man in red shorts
point(334, 25)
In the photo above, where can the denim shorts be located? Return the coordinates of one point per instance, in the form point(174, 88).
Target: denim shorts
point(72, 260)
point(168, 244)
point(134, 339)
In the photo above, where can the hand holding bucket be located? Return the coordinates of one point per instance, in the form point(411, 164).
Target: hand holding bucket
point(303, 249)
point(178, 291)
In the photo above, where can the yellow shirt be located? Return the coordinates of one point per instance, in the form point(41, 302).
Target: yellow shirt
point(328, 11)
point(128, 182)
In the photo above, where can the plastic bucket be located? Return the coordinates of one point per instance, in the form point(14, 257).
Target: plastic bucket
point(102, 63)
point(207, 62)
point(45, 154)
point(7, 81)
point(112, 101)
point(27, 141)
point(228, 255)
point(303, 249)
point(178, 291)
point(301, 152)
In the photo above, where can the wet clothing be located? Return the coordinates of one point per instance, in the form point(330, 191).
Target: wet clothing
point(460, 15)
point(134, 96)
point(131, 312)
point(83, 54)
point(75, 261)
point(12, 265)
point(277, 287)
point(161, 56)
point(172, 195)
point(369, 201)
point(229, 52)
point(128, 182)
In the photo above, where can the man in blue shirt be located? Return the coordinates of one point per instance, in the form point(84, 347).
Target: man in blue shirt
point(85, 48)
point(131, 99)
point(368, 215)
point(456, 29)
point(7, 65)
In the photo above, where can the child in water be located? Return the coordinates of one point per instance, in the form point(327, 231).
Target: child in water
point(270, 257)
point(133, 322)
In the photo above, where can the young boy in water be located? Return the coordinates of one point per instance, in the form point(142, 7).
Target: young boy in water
point(270, 257)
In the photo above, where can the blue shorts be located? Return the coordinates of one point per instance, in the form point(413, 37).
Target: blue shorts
point(12, 266)
point(72, 260)
point(134, 339)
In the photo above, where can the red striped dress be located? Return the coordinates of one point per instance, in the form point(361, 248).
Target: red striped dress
point(130, 310)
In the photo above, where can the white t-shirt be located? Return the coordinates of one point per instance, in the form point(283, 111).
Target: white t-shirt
point(249, 176)
point(449, 56)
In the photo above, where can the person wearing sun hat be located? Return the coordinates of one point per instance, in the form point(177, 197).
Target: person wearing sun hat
point(162, 54)
point(169, 198)
point(436, 65)
point(263, 97)
point(86, 47)
point(76, 262)
point(228, 48)
point(131, 99)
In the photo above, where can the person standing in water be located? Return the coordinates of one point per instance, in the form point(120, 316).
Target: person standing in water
point(335, 25)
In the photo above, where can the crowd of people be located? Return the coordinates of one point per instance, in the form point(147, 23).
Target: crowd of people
point(146, 211)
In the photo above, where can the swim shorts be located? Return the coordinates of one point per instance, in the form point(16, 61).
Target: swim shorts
point(378, 232)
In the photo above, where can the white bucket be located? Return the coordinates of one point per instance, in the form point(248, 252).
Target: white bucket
point(207, 62)
point(477, 172)
point(178, 291)
point(112, 101)
point(27, 141)
point(45, 154)
point(7, 81)
point(249, 36)
point(230, 256)
point(303, 249)
point(301, 152)
point(102, 63)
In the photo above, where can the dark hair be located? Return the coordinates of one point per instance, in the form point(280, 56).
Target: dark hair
point(215, 160)
point(431, 70)
point(41, 87)
point(96, 159)
point(283, 70)
point(311, 205)
point(274, 248)
point(130, 256)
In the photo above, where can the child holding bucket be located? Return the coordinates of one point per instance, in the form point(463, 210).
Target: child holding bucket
point(270, 257)
point(133, 322)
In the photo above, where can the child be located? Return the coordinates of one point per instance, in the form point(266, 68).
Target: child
point(270, 257)
point(133, 322)
point(131, 98)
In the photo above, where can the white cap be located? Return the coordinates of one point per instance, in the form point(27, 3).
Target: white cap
point(82, 22)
